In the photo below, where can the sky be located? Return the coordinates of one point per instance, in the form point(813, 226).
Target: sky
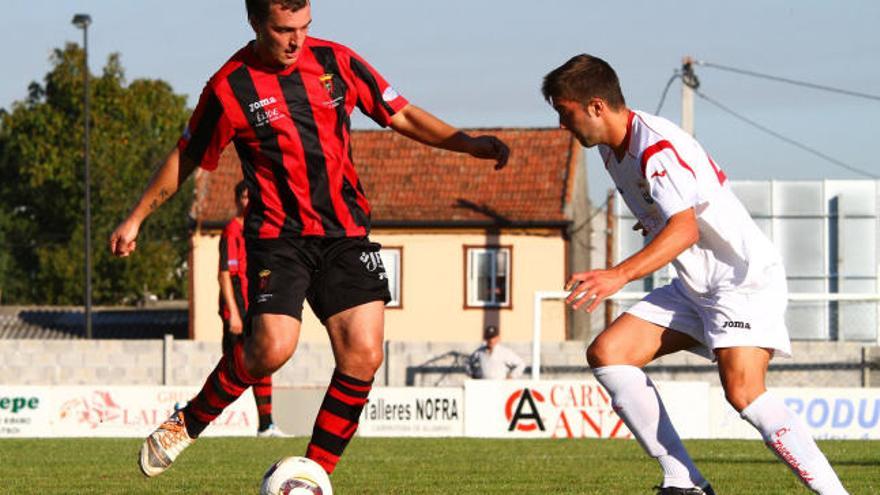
point(479, 63)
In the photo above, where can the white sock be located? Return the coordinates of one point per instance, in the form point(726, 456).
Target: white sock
point(788, 437)
point(636, 401)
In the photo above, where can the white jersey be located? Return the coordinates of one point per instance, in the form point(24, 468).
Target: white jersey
point(499, 363)
point(666, 171)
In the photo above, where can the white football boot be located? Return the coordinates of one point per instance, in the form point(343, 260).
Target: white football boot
point(164, 445)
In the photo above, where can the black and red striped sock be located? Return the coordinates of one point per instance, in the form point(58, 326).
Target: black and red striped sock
point(263, 397)
point(225, 384)
point(338, 419)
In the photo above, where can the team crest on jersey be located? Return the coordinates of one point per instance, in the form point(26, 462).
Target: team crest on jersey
point(329, 86)
point(327, 81)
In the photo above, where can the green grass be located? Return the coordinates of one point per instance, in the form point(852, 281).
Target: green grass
point(416, 466)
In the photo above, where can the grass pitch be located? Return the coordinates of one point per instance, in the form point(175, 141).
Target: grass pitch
point(417, 466)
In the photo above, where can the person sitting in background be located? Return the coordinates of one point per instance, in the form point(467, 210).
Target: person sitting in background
point(494, 361)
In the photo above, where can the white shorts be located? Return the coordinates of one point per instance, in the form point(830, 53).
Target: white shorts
point(753, 318)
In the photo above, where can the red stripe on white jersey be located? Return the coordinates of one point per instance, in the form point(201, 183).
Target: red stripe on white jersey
point(658, 147)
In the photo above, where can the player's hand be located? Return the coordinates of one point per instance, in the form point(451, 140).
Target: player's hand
point(235, 324)
point(639, 227)
point(593, 287)
point(123, 240)
point(491, 148)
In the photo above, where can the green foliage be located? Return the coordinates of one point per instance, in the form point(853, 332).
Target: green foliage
point(42, 192)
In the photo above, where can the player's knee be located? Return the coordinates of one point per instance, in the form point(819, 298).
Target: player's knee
point(736, 400)
point(739, 397)
point(361, 362)
point(371, 359)
point(598, 354)
point(263, 359)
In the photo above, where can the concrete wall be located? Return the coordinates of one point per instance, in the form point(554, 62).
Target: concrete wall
point(131, 362)
point(432, 285)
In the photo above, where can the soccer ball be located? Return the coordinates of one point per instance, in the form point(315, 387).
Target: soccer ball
point(296, 476)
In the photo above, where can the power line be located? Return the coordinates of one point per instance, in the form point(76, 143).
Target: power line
point(789, 81)
point(789, 140)
point(675, 75)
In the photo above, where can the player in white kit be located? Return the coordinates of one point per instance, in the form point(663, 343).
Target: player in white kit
point(726, 303)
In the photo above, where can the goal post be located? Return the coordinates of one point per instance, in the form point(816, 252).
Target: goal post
point(835, 310)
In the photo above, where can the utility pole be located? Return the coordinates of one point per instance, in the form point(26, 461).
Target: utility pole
point(610, 242)
point(689, 84)
point(82, 21)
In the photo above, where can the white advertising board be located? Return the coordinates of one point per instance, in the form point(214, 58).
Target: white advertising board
point(571, 409)
point(413, 412)
point(112, 411)
point(830, 413)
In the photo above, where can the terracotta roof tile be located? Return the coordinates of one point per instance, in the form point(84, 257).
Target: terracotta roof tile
point(409, 182)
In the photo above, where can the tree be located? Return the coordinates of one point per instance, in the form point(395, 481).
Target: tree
point(41, 193)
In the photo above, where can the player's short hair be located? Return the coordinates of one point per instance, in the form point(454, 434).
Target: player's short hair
point(240, 188)
point(258, 10)
point(582, 78)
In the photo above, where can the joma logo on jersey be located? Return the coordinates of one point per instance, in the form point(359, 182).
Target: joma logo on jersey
point(253, 107)
point(737, 324)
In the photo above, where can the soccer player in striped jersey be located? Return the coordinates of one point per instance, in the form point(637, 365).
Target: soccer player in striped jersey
point(727, 302)
point(284, 100)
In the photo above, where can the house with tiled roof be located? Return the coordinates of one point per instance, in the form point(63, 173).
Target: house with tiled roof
point(464, 246)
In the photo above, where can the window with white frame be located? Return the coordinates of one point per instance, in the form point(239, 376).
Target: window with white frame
point(488, 276)
point(391, 257)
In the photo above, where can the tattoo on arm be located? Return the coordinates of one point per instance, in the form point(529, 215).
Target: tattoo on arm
point(163, 195)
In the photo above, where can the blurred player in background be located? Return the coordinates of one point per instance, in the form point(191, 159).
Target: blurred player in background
point(727, 302)
point(284, 100)
point(232, 276)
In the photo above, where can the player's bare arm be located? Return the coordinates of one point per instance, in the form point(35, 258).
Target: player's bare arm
point(227, 291)
point(164, 183)
point(594, 286)
point(420, 125)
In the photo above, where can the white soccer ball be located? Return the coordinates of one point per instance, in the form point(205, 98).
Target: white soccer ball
point(296, 476)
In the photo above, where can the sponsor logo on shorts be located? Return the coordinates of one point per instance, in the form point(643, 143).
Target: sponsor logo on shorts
point(373, 263)
point(737, 324)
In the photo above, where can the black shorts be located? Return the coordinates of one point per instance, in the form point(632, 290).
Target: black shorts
point(334, 274)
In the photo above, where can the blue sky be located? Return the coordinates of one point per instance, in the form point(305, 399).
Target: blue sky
point(479, 63)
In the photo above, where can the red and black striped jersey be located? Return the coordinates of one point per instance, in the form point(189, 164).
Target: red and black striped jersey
point(292, 132)
point(233, 259)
